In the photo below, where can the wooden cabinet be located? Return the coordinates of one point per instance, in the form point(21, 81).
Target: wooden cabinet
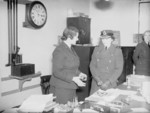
point(128, 63)
point(83, 25)
point(84, 53)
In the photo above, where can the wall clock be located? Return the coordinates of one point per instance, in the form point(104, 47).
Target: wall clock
point(36, 15)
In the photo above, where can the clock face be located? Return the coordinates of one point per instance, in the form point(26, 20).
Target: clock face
point(38, 14)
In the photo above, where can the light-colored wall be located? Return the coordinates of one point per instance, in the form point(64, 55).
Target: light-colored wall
point(144, 17)
point(122, 15)
point(36, 46)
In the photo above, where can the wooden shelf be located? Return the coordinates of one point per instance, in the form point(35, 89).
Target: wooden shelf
point(23, 79)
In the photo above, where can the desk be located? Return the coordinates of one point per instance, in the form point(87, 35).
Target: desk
point(127, 108)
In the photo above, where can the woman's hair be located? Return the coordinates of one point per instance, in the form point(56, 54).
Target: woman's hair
point(147, 31)
point(69, 32)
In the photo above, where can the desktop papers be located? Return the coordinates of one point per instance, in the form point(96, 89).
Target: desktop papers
point(140, 110)
point(89, 111)
point(126, 92)
point(36, 103)
point(103, 96)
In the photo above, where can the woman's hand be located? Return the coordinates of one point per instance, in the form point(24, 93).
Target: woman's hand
point(105, 85)
point(83, 77)
point(99, 83)
point(78, 81)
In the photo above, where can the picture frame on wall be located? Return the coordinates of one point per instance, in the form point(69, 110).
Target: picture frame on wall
point(137, 38)
point(117, 38)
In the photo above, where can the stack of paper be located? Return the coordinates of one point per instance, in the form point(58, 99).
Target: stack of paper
point(145, 91)
point(126, 92)
point(11, 110)
point(103, 96)
point(89, 111)
point(137, 80)
point(37, 103)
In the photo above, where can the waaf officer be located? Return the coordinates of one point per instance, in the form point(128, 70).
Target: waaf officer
point(106, 64)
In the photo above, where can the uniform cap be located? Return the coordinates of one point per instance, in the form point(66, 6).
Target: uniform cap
point(106, 33)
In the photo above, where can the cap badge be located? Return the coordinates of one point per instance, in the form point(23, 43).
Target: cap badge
point(104, 33)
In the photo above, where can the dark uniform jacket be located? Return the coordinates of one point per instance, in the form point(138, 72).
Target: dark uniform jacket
point(106, 65)
point(141, 59)
point(65, 66)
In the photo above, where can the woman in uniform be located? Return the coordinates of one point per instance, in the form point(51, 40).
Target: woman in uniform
point(106, 64)
point(66, 76)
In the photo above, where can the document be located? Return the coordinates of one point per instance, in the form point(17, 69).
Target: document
point(36, 103)
point(140, 110)
point(126, 92)
point(138, 98)
point(89, 111)
point(104, 96)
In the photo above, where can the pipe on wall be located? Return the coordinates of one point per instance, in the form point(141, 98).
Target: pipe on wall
point(12, 6)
